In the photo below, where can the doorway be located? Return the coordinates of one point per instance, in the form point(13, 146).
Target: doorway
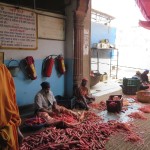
point(131, 40)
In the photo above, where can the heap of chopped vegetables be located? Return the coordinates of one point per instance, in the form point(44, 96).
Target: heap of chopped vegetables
point(91, 134)
point(137, 115)
point(100, 106)
point(145, 109)
point(34, 121)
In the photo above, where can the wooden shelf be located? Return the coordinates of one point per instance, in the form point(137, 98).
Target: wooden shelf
point(105, 48)
point(111, 57)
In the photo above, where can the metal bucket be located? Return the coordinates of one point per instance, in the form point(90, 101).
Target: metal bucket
point(14, 69)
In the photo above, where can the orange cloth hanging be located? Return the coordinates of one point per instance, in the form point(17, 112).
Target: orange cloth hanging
point(9, 113)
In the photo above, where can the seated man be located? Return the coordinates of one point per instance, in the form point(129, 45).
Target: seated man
point(138, 76)
point(82, 94)
point(46, 105)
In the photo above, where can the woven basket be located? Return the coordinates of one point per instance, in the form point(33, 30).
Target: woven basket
point(34, 126)
point(143, 96)
point(95, 79)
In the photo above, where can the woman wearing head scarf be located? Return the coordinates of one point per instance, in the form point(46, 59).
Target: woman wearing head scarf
point(9, 114)
point(83, 96)
point(142, 84)
point(144, 77)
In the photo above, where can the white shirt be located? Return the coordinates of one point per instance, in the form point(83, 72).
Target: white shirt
point(43, 100)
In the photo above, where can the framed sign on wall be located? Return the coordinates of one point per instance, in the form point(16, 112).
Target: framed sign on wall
point(18, 28)
point(51, 27)
point(1, 57)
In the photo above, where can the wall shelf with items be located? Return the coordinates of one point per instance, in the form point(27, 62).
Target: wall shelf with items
point(112, 55)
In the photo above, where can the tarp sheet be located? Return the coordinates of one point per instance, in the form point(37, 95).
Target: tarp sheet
point(144, 6)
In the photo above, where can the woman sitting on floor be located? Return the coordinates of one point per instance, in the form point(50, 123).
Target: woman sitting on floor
point(83, 96)
point(142, 85)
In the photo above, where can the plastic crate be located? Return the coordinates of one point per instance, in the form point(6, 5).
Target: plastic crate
point(65, 101)
point(130, 90)
point(131, 82)
point(130, 86)
point(118, 103)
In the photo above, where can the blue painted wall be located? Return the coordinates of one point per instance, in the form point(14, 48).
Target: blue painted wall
point(100, 31)
point(27, 88)
point(69, 77)
point(60, 85)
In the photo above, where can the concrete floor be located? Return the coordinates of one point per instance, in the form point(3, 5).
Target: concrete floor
point(123, 115)
point(103, 90)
